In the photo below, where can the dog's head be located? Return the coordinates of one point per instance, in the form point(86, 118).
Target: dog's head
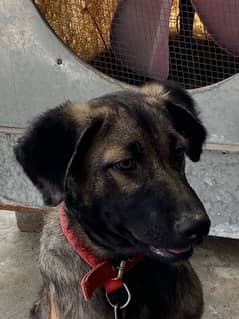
point(118, 162)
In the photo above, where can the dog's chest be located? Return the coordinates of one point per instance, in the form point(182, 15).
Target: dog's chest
point(149, 299)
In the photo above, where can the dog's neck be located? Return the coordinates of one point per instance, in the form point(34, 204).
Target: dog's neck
point(103, 273)
point(78, 240)
point(82, 236)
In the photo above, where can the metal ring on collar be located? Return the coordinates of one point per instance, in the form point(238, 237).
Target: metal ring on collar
point(127, 301)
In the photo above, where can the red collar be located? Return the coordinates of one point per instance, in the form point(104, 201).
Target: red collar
point(103, 273)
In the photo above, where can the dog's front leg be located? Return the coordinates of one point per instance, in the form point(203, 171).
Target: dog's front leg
point(44, 308)
point(54, 311)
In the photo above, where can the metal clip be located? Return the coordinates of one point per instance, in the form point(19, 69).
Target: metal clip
point(123, 305)
point(121, 269)
point(118, 307)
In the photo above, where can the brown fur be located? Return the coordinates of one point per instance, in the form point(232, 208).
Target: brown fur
point(54, 309)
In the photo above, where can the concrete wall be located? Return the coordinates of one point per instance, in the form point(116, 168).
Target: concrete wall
point(32, 81)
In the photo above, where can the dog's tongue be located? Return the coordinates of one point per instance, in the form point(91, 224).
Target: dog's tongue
point(179, 250)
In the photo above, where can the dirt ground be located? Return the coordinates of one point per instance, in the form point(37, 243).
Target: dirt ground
point(217, 264)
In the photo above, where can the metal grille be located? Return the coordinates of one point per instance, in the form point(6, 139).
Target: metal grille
point(195, 43)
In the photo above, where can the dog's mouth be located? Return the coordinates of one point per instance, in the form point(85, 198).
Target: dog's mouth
point(172, 254)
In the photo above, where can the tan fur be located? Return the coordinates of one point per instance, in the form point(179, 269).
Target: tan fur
point(54, 311)
point(82, 113)
point(155, 94)
point(115, 153)
point(152, 90)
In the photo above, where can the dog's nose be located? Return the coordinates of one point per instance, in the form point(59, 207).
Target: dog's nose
point(193, 228)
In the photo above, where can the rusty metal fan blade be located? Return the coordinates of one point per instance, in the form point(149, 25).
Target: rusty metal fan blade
point(139, 36)
point(221, 18)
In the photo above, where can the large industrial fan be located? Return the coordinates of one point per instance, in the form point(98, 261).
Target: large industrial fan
point(194, 42)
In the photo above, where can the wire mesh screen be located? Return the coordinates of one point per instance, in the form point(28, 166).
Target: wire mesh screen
point(194, 42)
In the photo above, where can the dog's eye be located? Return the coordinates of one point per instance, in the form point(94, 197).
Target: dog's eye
point(125, 165)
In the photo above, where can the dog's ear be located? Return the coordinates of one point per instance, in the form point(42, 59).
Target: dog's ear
point(45, 150)
point(76, 174)
point(50, 144)
point(182, 112)
point(190, 126)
